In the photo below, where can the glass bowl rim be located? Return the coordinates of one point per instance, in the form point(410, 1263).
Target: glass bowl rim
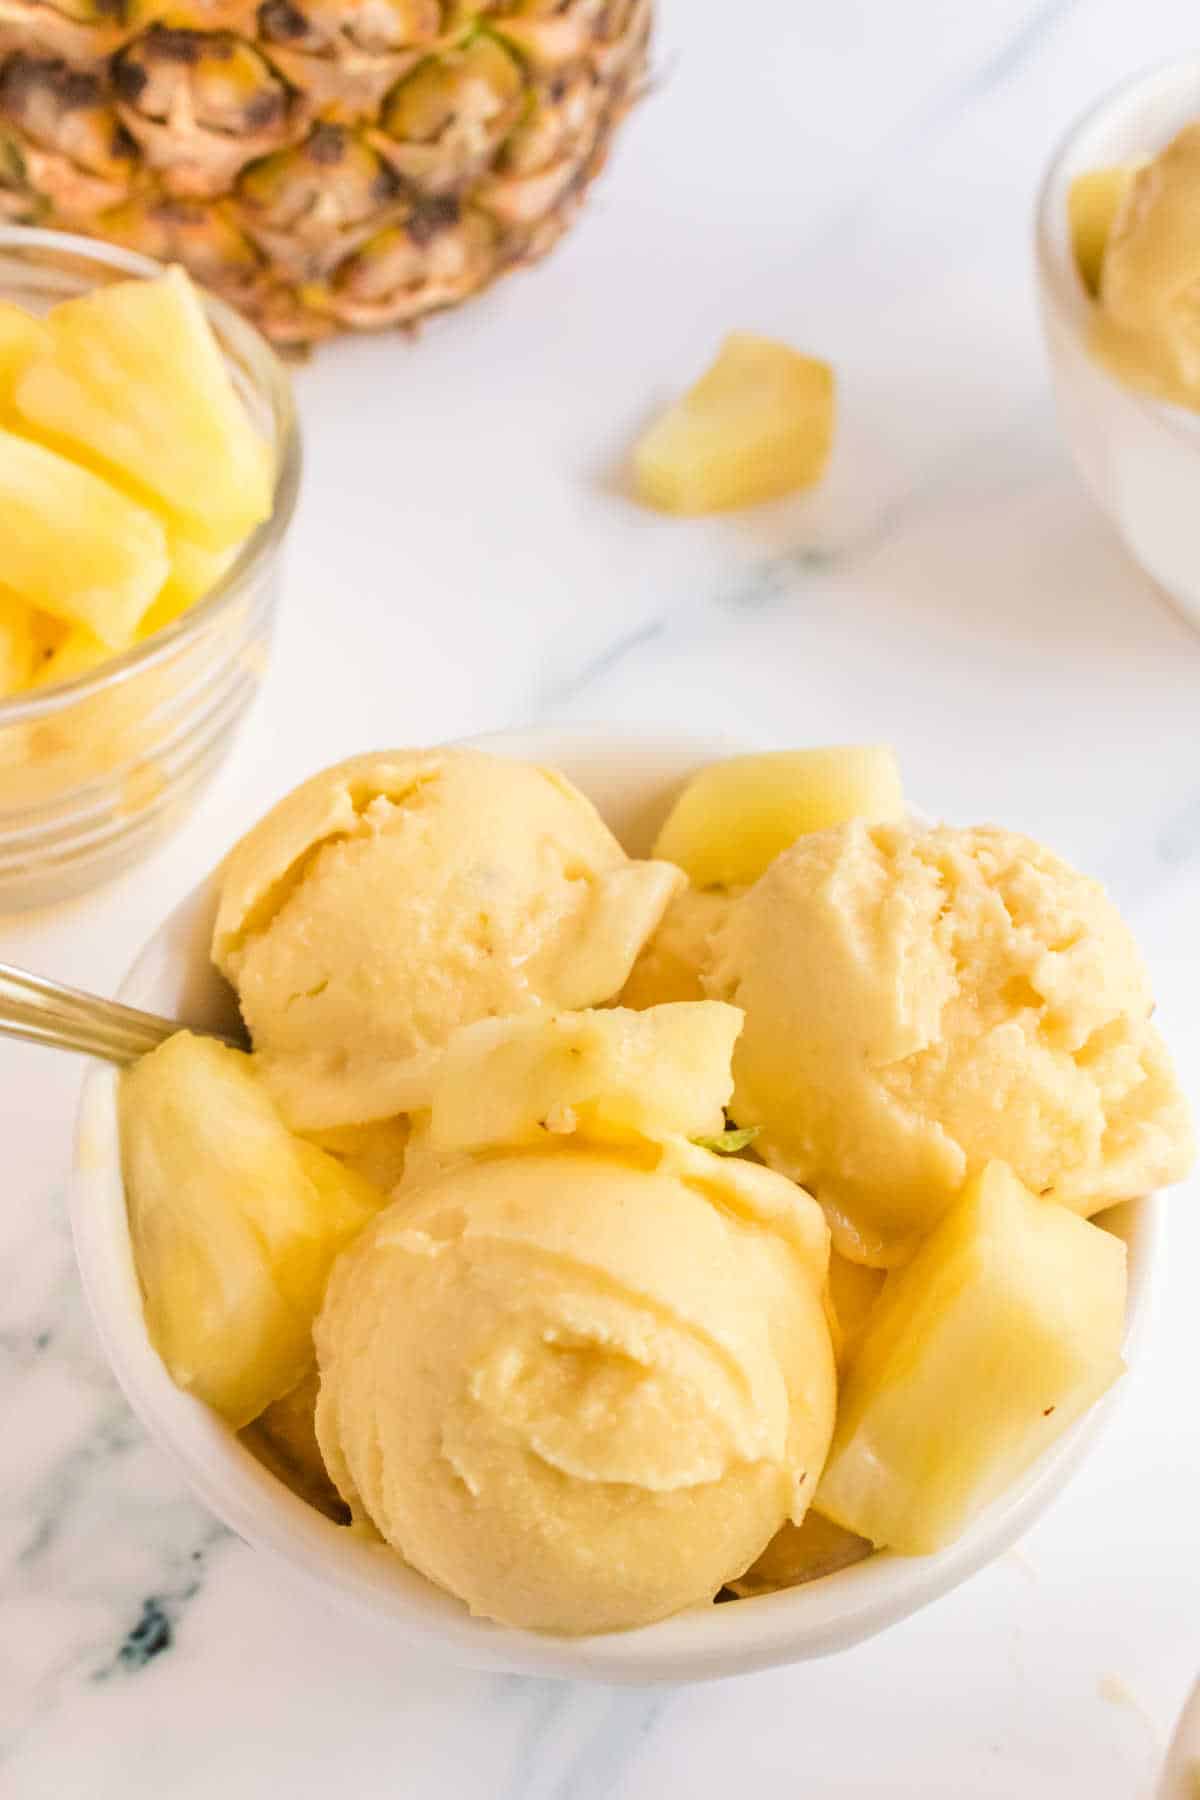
point(262, 542)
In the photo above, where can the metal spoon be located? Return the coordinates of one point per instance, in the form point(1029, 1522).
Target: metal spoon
point(46, 1012)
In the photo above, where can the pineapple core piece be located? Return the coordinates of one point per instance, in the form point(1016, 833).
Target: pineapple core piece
point(1003, 1330)
point(612, 1073)
point(732, 820)
point(757, 424)
point(137, 385)
point(1093, 203)
point(74, 546)
point(234, 1223)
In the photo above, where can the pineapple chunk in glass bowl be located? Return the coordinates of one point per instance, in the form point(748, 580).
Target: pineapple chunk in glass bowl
point(106, 751)
point(633, 780)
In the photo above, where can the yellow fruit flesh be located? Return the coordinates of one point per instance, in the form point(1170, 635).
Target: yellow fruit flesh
point(609, 1073)
point(22, 339)
point(284, 1438)
point(193, 571)
point(757, 425)
point(1093, 203)
point(73, 545)
point(800, 1553)
point(1003, 1330)
point(137, 383)
point(234, 1224)
point(18, 644)
point(733, 819)
point(853, 1291)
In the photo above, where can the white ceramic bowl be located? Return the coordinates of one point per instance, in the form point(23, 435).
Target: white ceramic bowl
point(632, 779)
point(1139, 456)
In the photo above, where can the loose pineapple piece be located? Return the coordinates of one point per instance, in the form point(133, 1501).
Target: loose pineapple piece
point(18, 644)
point(853, 1291)
point(234, 1223)
point(74, 546)
point(1093, 202)
point(137, 384)
point(732, 820)
point(77, 652)
point(1001, 1332)
point(22, 339)
point(800, 1553)
point(193, 571)
point(757, 424)
point(609, 1073)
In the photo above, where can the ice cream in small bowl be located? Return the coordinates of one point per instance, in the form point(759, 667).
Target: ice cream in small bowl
point(533, 1287)
point(1118, 261)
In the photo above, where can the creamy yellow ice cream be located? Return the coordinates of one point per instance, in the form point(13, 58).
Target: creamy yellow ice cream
point(1147, 321)
point(581, 1389)
point(672, 964)
point(388, 901)
point(920, 1001)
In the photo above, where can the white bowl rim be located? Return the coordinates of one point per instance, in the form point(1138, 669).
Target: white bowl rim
point(815, 1620)
point(1062, 288)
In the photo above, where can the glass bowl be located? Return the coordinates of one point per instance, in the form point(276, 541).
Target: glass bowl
point(94, 772)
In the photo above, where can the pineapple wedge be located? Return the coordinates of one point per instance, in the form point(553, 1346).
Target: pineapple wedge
point(732, 820)
point(853, 1291)
point(234, 1222)
point(799, 1553)
point(757, 424)
point(193, 571)
point(610, 1073)
point(1002, 1331)
point(284, 1437)
point(77, 652)
point(18, 644)
point(137, 384)
point(22, 340)
point(1093, 202)
point(73, 545)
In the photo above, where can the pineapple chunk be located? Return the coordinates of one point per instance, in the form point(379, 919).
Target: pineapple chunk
point(193, 571)
point(284, 1437)
point(732, 820)
point(1003, 1330)
point(22, 340)
point(800, 1553)
point(137, 384)
point(1093, 202)
point(376, 1151)
point(853, 1291)
point(77, 652)
point(18, 644)
point(73, 545)
point(611, 1073)
point(234, 1223)
point(757, 424)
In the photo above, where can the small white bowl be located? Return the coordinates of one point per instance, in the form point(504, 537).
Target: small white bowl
point(1139, 456)
point(632, 778)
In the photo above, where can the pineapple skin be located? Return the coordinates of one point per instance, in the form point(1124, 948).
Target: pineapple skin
point(324, 165)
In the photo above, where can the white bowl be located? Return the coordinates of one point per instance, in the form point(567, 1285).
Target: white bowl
point(632, 779)
point(1139, 456)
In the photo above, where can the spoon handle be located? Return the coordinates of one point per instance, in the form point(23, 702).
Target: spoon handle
point(45, 1012)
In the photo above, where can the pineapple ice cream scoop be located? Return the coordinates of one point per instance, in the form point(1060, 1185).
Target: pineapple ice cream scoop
point(398, 896)
point(1146, 325)
point(581, 1388)
point(920, 1001)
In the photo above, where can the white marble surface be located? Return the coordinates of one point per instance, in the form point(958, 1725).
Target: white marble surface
point(857, 177)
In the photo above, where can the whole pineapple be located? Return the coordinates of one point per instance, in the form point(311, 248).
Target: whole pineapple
point(323, 164)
